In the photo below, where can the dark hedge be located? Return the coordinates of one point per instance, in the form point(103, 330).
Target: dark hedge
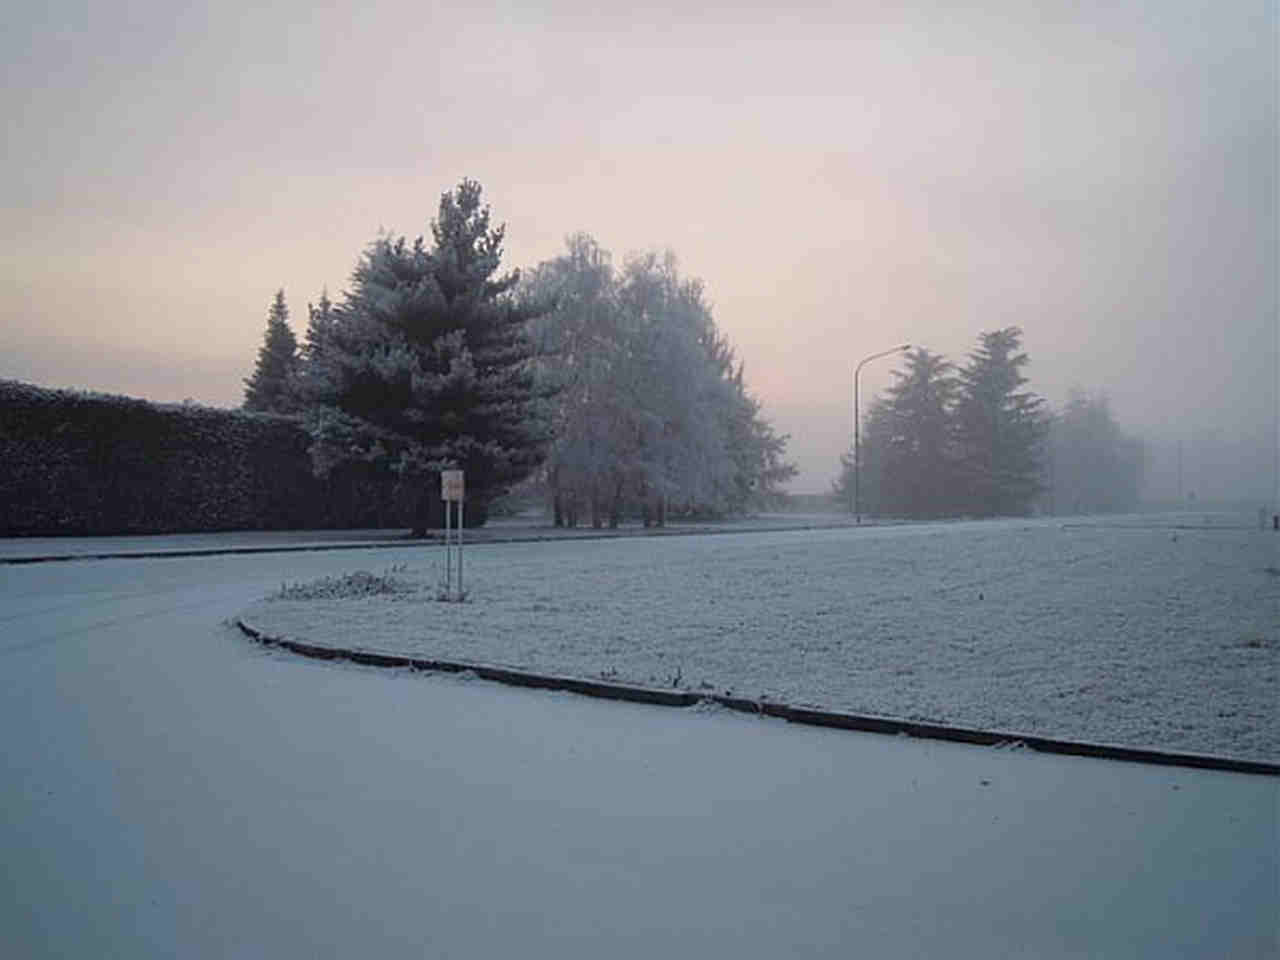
point(87, 463)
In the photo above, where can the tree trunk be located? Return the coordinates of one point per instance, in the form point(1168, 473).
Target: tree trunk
point(557, 497)
point(615, 506)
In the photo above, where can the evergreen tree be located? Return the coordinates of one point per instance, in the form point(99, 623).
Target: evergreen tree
point(320, 320)
point(916, 462)
point(426, 364)
point(999, 430)
point(271, 388)
point(321, 317)
point(873, 444)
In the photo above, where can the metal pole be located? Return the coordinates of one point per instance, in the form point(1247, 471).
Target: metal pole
point(448, 548)
point(857, 511)
point(1180, 498)
point(461, 524)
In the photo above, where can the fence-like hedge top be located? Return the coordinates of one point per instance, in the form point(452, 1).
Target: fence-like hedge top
point(80, 462)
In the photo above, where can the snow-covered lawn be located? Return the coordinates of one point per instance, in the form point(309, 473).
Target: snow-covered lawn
point(1135, 631)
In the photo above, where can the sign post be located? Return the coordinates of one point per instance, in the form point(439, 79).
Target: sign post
point(452, 490)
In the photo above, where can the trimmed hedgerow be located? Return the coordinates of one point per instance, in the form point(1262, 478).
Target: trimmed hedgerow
point(88, 463)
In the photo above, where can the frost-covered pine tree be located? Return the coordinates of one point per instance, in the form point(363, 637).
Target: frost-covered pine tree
point(319, 322)
point(272, 386)
point(426, 364)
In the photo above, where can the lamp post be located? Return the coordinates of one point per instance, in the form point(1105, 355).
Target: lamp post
point(857, 513)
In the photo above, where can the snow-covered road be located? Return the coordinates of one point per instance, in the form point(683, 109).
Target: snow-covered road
point(171, 790)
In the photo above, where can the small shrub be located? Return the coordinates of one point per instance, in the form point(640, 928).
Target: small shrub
point(349, 586)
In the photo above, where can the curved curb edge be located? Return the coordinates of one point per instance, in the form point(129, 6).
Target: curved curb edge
point(809, 716)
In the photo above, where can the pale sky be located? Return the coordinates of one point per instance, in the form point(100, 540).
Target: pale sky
point(843, 179)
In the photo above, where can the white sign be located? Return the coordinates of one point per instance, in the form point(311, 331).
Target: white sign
point(451, 485)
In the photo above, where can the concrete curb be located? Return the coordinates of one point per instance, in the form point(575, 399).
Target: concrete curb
point(474, 538)
point(810, 716)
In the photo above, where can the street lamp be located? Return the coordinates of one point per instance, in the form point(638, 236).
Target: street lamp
point(857, 514)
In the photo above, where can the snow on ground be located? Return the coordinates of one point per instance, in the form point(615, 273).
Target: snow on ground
point(1142, 631)
point(172, 790)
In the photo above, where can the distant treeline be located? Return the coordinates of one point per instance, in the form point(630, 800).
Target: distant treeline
point(970, 441)
point(87, 463)
point(609, 392)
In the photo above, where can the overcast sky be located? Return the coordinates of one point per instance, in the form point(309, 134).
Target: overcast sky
point(1102, 175)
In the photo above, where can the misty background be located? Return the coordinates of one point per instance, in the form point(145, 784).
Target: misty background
point(842, 179)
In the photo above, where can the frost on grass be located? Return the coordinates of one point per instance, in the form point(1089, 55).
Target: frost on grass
point(1105, 632)
point(350, 586)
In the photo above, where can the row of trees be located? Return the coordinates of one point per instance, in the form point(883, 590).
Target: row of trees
point(651, 409)
point(951, 441)
point(616, 390)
